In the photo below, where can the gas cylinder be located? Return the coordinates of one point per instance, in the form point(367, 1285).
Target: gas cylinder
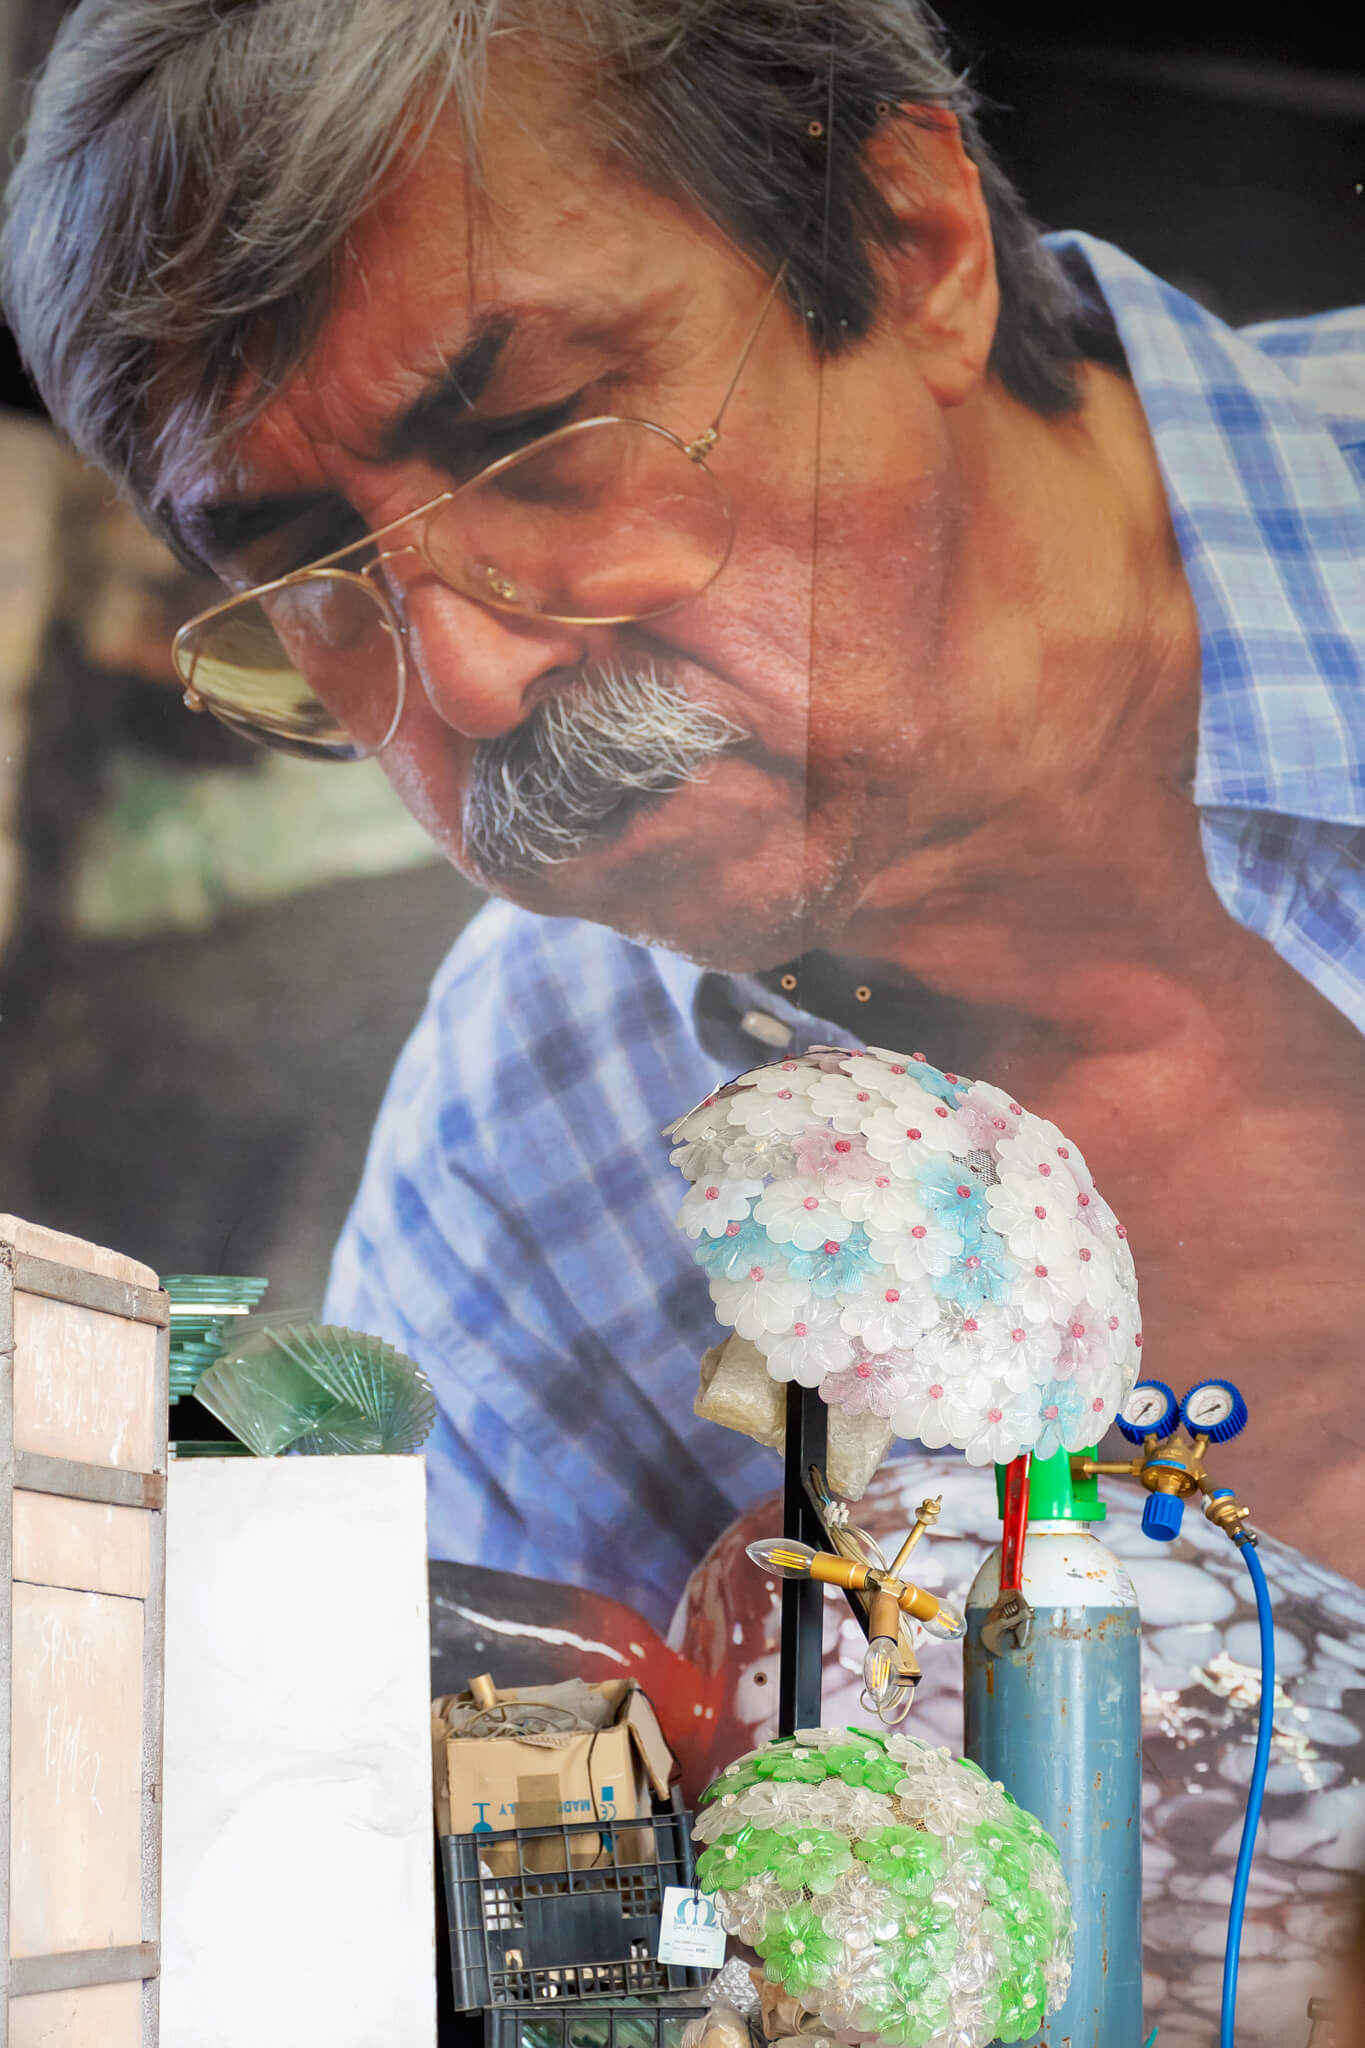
point(1057, 1720)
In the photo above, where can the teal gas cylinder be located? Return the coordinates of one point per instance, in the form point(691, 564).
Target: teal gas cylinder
point(1059, 1724)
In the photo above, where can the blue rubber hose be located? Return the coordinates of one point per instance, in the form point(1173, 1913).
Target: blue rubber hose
point(1255, 1791)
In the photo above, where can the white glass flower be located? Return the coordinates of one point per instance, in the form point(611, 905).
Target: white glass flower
point(882, 1203)
point(782, 1112)
point(925, 1250)
point(709, 1205)
point(1048, 1288)
point(760, 1304)
point(907, 1135)
point(814, 1346)
point(843, 1100)
point(1029, 1359)
point(1032, 1215)
point(936, 1408)
point(802, 1212)
point(997, 1426)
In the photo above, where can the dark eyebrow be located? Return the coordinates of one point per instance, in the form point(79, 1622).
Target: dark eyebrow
point(463, 380)
point(216, 530)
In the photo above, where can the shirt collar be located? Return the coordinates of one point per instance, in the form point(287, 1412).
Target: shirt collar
point(1271, 526)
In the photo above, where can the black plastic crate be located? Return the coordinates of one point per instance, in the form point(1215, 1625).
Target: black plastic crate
point(589, 1931)
point(589, 2026)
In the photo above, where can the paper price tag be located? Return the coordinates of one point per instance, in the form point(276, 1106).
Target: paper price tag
point(689, 1931)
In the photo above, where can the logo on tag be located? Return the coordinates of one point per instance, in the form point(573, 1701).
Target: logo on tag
point(690, 1932)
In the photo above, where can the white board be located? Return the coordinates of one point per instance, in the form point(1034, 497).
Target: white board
point(297, 1860)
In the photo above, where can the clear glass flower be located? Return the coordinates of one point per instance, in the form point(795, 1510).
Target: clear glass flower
point(889, 1318)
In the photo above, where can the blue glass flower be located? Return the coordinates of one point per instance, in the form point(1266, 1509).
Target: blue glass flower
point(953, 1197)
point(731, 1257)
point(982, 1271)
point(836, 1268)
point(933, 1082)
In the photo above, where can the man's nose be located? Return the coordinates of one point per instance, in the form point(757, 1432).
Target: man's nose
point(477, 667)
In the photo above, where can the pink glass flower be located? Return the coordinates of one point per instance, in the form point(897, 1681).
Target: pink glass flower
point(838, 1158)
point(1085, 1343)
point(870, 1386)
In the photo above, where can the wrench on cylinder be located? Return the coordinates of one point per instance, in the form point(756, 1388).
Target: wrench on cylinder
point(1007, 1625)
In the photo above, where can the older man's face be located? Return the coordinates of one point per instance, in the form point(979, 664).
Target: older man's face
point(821, 640)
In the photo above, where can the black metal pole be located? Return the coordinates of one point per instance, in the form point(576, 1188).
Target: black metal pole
point(799, 1672)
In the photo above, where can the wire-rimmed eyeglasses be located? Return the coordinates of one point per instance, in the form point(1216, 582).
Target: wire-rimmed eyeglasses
point(604, 521)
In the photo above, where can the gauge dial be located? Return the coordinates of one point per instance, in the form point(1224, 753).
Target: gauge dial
point(1150, 1409)
point(1214, 1409)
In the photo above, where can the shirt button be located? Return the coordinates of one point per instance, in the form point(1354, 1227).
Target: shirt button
point(767, 1030)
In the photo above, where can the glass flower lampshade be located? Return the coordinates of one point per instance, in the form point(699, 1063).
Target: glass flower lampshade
point(916, 1245)
point(890, 1887)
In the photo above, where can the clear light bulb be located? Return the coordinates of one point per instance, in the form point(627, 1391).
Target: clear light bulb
point(782, 1555)
point(947, 1625)
point(881, 1675)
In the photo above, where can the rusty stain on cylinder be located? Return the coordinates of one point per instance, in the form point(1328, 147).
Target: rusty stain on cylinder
point(990, 1679)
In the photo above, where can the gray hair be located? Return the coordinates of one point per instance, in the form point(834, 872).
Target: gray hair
point(581, 762)
point(192, 170)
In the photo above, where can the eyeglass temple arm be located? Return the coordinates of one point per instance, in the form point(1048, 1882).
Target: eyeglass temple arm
point(707, 438)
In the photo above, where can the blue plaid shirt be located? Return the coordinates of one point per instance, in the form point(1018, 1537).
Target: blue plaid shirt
point(514, 1230)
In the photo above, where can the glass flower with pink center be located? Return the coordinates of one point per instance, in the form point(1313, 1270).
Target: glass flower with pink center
point(1028, 1212)
point(998, 1425)
point(907, 1134)
point(882, 1203)
point(843, 1100)
point(711, 1205)
point(781, 1112)
point(870, 1386)
point(837, 1158)
point(924, 1251)
point(1084, 1342)
point(760, 1301)
point(803, 1212)
point(812, 1346)
point(918, 1240)
point(889, 1318)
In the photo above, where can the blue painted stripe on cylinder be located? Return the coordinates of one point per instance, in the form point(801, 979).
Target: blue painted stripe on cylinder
point(1059, 1724)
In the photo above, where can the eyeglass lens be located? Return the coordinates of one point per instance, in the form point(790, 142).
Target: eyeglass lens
point(605, 521)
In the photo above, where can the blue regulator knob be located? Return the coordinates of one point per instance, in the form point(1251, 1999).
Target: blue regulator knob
point(1214, 1409)
point(1162, 1516)
point(1151, 1409)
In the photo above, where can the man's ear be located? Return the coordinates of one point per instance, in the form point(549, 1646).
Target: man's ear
point(939, 286)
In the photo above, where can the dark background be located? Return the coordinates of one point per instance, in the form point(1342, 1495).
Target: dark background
point(202, 1100)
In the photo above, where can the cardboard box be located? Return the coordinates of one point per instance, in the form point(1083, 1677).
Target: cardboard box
point(486, 1785)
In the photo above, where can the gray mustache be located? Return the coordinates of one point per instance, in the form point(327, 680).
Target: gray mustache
point(580, 763)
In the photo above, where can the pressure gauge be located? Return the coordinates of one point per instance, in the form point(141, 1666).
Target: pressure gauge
point(1151, 1409)
point(1214, 1409)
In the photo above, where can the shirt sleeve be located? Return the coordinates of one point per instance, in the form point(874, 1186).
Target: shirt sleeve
point(514, 1233)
